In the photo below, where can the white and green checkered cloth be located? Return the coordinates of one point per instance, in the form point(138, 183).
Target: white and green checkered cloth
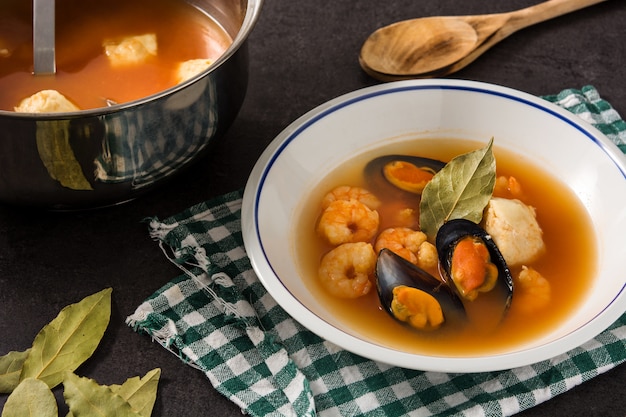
point(218, 318)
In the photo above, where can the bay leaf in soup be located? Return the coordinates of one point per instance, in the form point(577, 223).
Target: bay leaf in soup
point(460, 190)
point(31, 398)
point(10, 370)
point(85, 397)
point(68, 340)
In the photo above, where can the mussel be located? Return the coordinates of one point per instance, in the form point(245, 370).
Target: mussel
point(401, 172)
point(472, 263)
point(411, 295)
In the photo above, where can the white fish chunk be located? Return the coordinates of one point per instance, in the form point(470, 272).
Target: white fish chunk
point(514, 228)
point(190, 68)
point(131, 50)
point(46, 101)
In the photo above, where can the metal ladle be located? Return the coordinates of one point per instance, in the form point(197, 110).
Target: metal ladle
point(44, 58)
point(43, 37)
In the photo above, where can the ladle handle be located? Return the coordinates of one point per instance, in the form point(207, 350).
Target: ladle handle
point(44, 61)
point(544, 11)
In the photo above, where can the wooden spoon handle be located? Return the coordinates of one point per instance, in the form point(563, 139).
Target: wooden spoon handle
point(543, 11)
point(514, 21)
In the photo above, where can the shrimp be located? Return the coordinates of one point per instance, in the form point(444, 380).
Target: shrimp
point(508, 187)
point(427, 257)
point(407, 217)
point(348, 221)
point(409, 244)
point(347, 270)
point(346, 192)
point(400, 214)
point(532, 291)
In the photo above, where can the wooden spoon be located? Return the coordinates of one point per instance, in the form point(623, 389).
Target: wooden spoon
point(437, 46)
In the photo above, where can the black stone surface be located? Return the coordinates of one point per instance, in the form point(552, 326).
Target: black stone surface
point(302, 53)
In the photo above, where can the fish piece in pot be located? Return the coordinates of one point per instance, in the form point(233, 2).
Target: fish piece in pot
point(131, 50)
point(46, 101)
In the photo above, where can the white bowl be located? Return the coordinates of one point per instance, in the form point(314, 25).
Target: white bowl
point(319, 141)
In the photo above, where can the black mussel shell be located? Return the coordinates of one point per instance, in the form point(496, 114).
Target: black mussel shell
point(449, 235)
point(375, 171)
point(392, 271)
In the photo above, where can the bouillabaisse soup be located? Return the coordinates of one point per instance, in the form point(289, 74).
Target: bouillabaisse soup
point(564, 265)
point(109, 51)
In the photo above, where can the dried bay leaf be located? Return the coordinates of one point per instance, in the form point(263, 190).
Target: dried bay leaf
point(461, 190)
point(68, 340)
point(10, 370)
point(86, 398)
point(140, 393)
point(31, 398)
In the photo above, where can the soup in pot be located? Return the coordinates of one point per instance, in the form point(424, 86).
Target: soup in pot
point(106, 52)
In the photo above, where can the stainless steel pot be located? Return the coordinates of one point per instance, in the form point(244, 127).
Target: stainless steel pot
point(106, 156)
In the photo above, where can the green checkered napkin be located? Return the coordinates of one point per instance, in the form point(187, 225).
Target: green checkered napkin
point(587, 104)
point(218, 318)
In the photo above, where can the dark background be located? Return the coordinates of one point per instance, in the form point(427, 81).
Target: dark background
point(302, 53)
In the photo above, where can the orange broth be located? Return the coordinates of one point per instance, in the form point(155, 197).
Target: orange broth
point(84, 74)
point(568, 264)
